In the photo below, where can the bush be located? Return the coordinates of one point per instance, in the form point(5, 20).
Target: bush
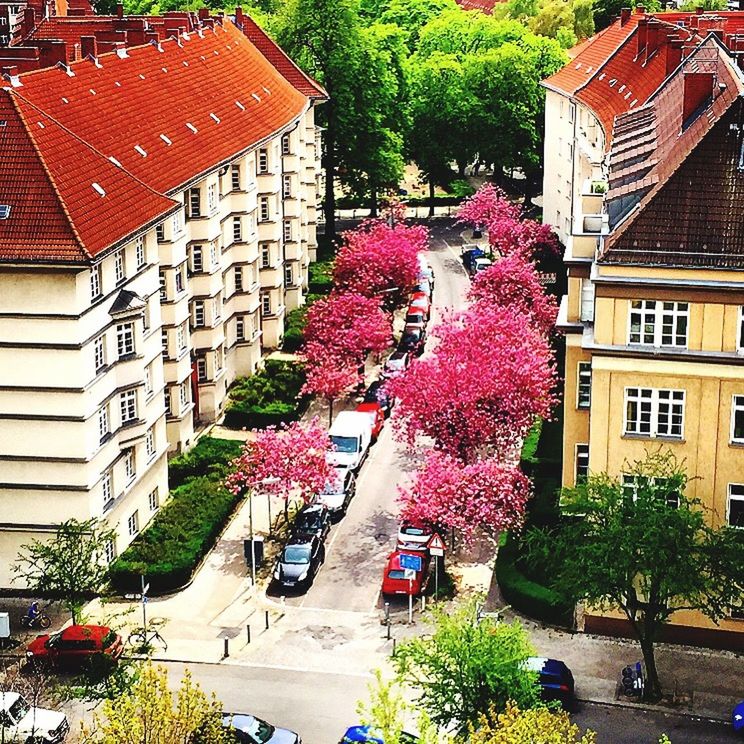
point(181, 533)
point(524, 594)
point(294, 325)
point(268, 398)
point(320, 275)
point(210, 456)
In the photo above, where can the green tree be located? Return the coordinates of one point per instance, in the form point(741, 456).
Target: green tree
point(412, 15)
point(467, 666)
point(70, 567)
point(644, 548)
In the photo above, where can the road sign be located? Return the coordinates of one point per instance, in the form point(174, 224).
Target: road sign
point(145, 589)
point(435, 545)
point(410, 561)
point(409, 573)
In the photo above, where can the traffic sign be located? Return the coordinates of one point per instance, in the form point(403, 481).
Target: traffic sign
point(435, 545)
point(409, 573)
point(410, 561)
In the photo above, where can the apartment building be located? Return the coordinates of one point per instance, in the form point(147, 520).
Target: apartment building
point(654, 313)
point(157, 218)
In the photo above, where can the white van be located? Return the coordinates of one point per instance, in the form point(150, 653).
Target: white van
point(351, 434)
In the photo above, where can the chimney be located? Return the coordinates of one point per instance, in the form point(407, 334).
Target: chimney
point(136, 36)
point(152, 36)
point(652, 37)
point(76, 12)
point(673, 54)
point(203, 13)
point(119, 10)
point(29, 20)
point(641, 34)
point(239, 16)
point(88, 47)
point(698, 89)
point(52, 52)
point(699, 10)
point(640, 9)
point(624, 15)
point(718, 32)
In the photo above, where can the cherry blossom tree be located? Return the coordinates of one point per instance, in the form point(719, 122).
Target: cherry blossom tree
point(485, 205)
point(330, 376)
point(286, 460)
point(513, 282)
point(486, 494)
point(479, 392)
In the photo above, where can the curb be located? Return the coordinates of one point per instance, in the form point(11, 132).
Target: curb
point(654, 709)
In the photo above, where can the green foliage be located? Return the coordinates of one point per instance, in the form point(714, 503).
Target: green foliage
point(180, 534)
point(102, 678)
point(267, 398)
point(320, 275)
point(208, 457)
point(412, 15)
point(465, 667)
point(461, 188)
point(705, 5)
point(69, 567)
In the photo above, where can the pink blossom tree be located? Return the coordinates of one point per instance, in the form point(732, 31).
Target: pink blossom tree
point(487, 204)
point(285, 460)
point(479, 392)
point(513, 282)
point(486, 494)
point(330, 376)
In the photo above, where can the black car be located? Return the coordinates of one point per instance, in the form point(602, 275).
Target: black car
point(555, 680)
point(313, 519)
point(412, 341)
point(376, 394)
point(299, 561)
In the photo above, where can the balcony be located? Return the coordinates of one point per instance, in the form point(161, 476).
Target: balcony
point(593, 224)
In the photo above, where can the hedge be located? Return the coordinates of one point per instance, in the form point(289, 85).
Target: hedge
point(210, 456)
point(524, 594)
point(181, 533)
point(294, 324)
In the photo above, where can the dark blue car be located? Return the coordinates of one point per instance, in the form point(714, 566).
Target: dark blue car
point(555, 680)
point(368, 735)
point(468, 257)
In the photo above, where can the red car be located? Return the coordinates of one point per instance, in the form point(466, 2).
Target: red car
point(394, 580)
point(74, 645)
point(420, 303)
point(376, 416)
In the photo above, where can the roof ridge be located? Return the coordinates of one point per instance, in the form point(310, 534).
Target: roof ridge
point(55, 189)
point(606, 61)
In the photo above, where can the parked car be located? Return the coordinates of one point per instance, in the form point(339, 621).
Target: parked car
point(394, 579)
point(415, 317)
point(22, 722)
point(420, 303)
point(414, 536)
point(376, 394)
point(312, 519)
point(480, 264)
point(244, 728)
point(555, 680)
point(376, 417)
point(368, 735)
point(469, 254)
point(338, 492)
point(423, 286)
point(396, 364)
point(299, 560)
point(74, 646)
point(412, 341)
point(351, 435)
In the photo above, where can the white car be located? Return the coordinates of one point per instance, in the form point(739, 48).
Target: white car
point(413, 536)
point(351, 435)
point(21, 722)
point(338, 491)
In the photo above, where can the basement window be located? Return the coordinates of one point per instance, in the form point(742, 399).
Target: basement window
point(4, 211)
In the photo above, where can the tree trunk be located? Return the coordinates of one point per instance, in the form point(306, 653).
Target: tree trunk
point(330, 412)
point(461, 169)
point(652, 688)
point(431, 196)
point(329, 163)
point(373, 202)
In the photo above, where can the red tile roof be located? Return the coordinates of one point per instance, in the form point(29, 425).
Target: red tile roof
point(48, 177)
point(484, 6)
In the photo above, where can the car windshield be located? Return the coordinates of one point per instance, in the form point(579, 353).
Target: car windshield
point(19, 709)
point(257, 731)
point(308, 520)
point(409, 530)
point(410, 338)
point(414, 318)
point(54, 640)
point(334, 486)
point(372, 394)
point(296, 554)
point(108, 639)
point(396, 574)
point(345, 444)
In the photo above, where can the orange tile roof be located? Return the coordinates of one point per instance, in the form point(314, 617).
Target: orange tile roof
point(47, 179)
point(484, 6)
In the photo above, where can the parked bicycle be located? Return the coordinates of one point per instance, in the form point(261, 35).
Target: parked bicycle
point(144, 638)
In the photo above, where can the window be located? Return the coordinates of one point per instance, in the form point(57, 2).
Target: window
point(740, 340)
point(95, 282)
point(201, 369)
point(129, 465)
point(218, 306)
point(263, 209)
point(211, 197)
point(139, 252)
point(181, 337)
point(107, 493)
point(163, 287)
point(180, 282)
point(125, 339)
point(287, 230)
point(582, 462)
point(150, 443)
point(240, 329)
point(263, 161)
point(266, 303)
point(183, 394)
point(654, 323)
point(286, 186)
point(286, 144)
point(265, 255)
point(146, 314)
point(737, 418)
point(235, 177)
point(194, 203)
point(119, 265)
point(662, 488)
point(735, 511)
point(148, 381)
point(237, 229)
point(218, 359)
point(177, 222)
point(197, 259)
point(164, 336)
point(103, 423)
point(128, 406)
point(238, 279)
point(109, 551)
point(198, 314)
point(160, 232)
point(288, 278)
point(654, 413)
point(99, 352)
point(133, 523)
point(584, 393)
point(167, 400)
point(153, 499)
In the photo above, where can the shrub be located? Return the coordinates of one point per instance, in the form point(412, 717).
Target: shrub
point(181, 533)
point(210, 456)
point(320, 276)
point(294, 325)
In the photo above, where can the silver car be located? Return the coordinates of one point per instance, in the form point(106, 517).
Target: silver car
point(247, 729)
point(338, 492)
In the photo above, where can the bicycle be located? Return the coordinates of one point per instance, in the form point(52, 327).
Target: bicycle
point(42, 620)
point(142, 638)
